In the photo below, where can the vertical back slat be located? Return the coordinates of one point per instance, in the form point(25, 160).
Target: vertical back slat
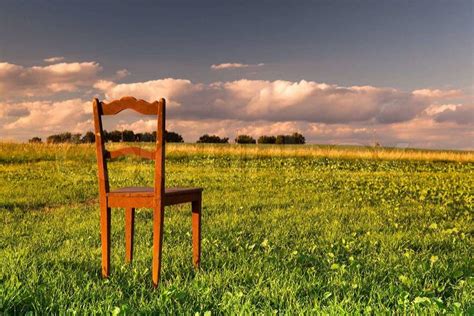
point(105, 211)
point(160, 150)
point(100, 149)
point(159, 201)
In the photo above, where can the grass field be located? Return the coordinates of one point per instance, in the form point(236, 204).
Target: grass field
point(305, 229)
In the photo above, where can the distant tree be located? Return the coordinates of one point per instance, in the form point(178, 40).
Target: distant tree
point(212, 139)
point(245, 139)
point(148, 137)
point(88, 137)
point(59, 138)
point(35, 140)
point(138, 137)
point(53, 139)
point(172, 137)
point(64, 138)
point(298, 138)
point(128, 136)
point(295, 138)
point(76, 138)
point(266, 139)
point(114, 136)
point(280, 140)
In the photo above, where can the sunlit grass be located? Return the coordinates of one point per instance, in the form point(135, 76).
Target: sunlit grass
point(17, 152)
point(283, 232)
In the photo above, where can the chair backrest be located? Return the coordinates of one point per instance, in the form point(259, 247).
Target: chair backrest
point(157, 108)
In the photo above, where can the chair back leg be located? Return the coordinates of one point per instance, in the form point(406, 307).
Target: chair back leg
point(158, 219)
point(129, 233)
point(196, 224)
point(105, 238)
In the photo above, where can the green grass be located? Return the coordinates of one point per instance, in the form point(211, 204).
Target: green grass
point(280, 233)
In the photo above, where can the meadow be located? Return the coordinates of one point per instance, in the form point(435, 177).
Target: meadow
point(286, 229)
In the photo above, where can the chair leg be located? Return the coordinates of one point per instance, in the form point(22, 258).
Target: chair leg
point(158, 218)
point(129, 232)
point(105, 239)
point(196, 219)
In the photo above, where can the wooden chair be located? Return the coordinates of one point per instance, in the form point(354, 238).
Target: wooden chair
point(133, 197)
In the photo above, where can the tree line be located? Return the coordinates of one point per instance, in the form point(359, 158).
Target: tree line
point(113, 136)
point(170, 137)
point(295, 138)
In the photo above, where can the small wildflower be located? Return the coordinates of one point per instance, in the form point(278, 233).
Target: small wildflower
point(433, 226)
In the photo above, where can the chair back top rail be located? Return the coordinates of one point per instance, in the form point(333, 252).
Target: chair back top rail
point(137, 151)
point(140, 106)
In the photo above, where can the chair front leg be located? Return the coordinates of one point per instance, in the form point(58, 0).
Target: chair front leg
point(105, 238)
point(196, 227)
point(158, 219)
point(129, 232)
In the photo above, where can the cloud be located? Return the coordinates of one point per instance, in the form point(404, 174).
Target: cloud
point(424, 132)
point(104, 85)
point(461, 114)
point(277, 100)
point(434, 109)
point(122, 73)
point(20, 81)
point(234, 65)
point(53, 59)
point(13, 110)
point(438, 94)
point(40, 117)
point(175, 90)
point(142, 125)
point(420, 132)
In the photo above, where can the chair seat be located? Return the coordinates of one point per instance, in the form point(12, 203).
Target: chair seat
point(144, 196)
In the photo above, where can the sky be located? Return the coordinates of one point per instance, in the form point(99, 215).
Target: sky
point(399, 73)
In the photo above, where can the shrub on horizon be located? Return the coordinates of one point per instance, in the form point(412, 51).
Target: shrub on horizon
point(35, 140)
point(144, 137)
point(266, 139)
point(172, 137)
point(213, 139)
point(295, 138)
point(88, 137)
point(245, 139)
point(59, 138)
point(113, 136)
point(128, 136)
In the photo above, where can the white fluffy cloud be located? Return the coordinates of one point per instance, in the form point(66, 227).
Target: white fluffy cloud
point(16, 80)
point(461, 114)
point(277, 100)
point(175, 90)
point(44, 117)
point(234, 65)
point(55, 59)
point(122, 73)
point(438, 93)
